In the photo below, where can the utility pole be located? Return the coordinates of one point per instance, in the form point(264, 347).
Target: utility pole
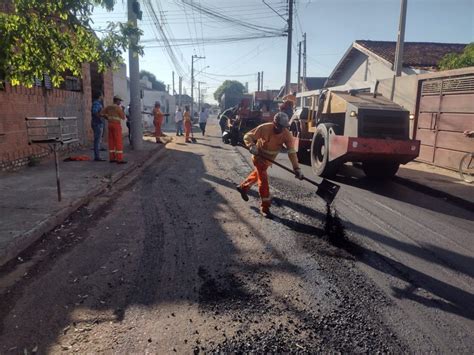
point(174, 91)
point(401, 39)
point(258, 81)
point(194, 56)
point(199, 96)
point(299, 66)
point(180, 85)
point(261, 81)
point(304, 58)
point(288, 51)
point(134, 73)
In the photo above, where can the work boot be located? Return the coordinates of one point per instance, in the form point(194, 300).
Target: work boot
point(243, 193)
point(265, 212)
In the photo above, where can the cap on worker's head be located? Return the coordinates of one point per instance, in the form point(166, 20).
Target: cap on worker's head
point(157, 103)
point(117, 98)
point(281, 119)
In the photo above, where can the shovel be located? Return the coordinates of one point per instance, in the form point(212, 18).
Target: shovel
point(325, 189)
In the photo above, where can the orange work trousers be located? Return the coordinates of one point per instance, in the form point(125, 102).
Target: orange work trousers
point(158, 132)
point(259, 175)
point(187, 130)
point(115, 141)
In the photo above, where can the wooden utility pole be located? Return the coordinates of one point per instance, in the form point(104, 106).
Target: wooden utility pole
point(134, 74)
point(288, 50)
point(258, 82)
point(261, 81)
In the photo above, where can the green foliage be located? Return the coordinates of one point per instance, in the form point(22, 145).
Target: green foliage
point(229, 87)
point(461, 60)
point(51, 37)
point(155, 83)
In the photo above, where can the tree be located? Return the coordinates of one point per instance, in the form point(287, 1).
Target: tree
point(155, 83)
point(458, 60)
point(52, 37)
point(229, 87)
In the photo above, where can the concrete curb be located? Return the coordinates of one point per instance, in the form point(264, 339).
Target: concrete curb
point(435, 192)
point(29, 237)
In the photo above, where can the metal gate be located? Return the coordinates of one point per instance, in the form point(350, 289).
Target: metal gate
point(446, 110)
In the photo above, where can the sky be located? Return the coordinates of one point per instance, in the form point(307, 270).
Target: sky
point(330, 26)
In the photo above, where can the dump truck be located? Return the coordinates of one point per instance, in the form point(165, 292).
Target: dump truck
point(335, 127)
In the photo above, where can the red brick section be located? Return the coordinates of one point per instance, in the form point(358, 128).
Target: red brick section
point(19, 102)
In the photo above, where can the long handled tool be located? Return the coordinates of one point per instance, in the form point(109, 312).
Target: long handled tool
point(325, 189)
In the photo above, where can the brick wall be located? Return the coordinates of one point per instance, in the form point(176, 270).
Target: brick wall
point(18, 102)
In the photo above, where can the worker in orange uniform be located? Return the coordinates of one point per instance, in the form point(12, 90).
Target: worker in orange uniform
point(158, 121)
point(289, 102)
point(187, 124)
point(114, 115)
point(266, 141)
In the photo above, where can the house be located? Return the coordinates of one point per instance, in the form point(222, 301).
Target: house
point(365, 62)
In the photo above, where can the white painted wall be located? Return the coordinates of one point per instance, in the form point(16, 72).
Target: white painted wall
point(122, 89)
point(168, 105)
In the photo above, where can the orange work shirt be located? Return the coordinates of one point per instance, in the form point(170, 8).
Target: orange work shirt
point(114, 113)
point(187, 117)
point(268, 142)
point(157, 116)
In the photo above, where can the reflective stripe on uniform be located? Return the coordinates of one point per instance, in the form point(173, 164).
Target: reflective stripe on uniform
point(119, 151)
point(270, 152)
point(266, 199)
point(114, 118)
point(292, 151)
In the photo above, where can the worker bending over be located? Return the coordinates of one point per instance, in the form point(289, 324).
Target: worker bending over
point(114, 115)
point(266, 141)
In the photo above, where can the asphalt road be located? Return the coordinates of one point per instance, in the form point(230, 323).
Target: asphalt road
point(172, 260)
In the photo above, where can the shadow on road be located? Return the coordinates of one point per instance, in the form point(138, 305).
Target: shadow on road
point(164, 254)
point(352, 176)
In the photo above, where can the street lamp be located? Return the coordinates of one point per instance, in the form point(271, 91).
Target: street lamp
point(193, 57)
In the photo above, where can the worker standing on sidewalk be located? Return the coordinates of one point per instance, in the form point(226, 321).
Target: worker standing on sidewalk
point(114, 115)
point(158, 121)
point(97, 124)
point(266, 141)
point(187, 124)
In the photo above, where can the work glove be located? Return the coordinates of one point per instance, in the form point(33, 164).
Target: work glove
point(253, 149)
point(298, 173)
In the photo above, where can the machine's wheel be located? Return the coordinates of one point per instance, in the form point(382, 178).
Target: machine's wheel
point(380, 169)
point(295, 129)
point(320, 151)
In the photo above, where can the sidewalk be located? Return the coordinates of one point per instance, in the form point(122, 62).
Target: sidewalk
point(438, 181)
point(29, 206)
